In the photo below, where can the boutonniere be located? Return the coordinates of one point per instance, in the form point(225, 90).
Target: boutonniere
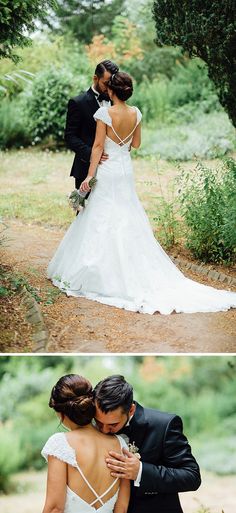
point(134, 450)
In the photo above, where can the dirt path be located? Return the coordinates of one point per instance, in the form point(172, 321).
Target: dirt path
point(79, 325)
point(216, 493)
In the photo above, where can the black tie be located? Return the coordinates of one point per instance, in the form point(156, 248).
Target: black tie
point(101, 97)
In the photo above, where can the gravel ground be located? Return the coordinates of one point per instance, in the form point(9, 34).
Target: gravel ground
point(79, 325)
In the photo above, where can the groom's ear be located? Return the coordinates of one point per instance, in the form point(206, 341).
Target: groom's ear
point(132, 409)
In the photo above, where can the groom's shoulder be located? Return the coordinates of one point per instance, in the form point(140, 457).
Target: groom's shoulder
point(155, 415)
point(80, 98)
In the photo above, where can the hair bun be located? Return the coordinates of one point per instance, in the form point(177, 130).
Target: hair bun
point(73, 396)
point(121, 84)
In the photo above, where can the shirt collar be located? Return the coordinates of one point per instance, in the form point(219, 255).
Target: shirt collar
point(94, 91)
point(128, 421)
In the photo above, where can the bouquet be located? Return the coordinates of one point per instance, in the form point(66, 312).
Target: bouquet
point(77, 198)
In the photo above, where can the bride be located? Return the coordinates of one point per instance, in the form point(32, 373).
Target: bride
point(78, 478)
point(109, 253)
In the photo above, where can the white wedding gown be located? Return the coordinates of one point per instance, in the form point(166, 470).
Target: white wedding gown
point(58, 447)
point(109, 253)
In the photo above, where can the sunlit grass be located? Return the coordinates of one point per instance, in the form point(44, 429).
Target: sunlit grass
point(33, 207)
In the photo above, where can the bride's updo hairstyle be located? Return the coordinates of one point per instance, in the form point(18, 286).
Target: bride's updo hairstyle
point(73, 396)
point(121, 84)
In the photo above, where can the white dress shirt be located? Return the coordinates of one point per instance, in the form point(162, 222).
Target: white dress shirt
point(138, 478)
point(103, 103)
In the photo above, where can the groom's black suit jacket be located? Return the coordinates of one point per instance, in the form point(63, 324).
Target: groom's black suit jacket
point(168, 464)
point(80, 131)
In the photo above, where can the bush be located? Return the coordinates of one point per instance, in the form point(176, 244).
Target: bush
point(47, 105)
point(152, 98)
point(13, 126)
point(208, 205)
point(191, 84)
point(205, 136)
point(10, 456)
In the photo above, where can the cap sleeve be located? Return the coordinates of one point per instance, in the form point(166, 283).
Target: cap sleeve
point(139, 115)
point(103, 115)
point(58, 447)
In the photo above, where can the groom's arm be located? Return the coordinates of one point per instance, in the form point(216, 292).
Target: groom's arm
point(179, 472)
point(73, 141)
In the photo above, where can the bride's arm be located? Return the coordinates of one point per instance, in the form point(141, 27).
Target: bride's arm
point(122, 502)
point(136, 141)
point(96, 154)
point(56, 486)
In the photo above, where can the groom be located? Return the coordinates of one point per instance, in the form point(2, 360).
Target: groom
point(167, 465)
point(80, 124)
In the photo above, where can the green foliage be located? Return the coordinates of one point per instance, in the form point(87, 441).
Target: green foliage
point(14, 283)
point(208, 205)
point(14, 130)
point(189, 89)
point(191, 135)
point(46, 107)
point(166, 216)
point(206, 30)
point(85, 19)
point(16, 19)
point(10, 456)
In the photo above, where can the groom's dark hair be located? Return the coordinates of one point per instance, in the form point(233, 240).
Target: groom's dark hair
point(106, 66)
point(114, 392)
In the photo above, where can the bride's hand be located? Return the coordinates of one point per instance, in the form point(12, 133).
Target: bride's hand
point(85, 185)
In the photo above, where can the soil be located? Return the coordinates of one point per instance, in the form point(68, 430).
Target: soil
point(216, 493)
point(78, 325)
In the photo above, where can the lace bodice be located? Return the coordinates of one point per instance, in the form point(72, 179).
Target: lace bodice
point(58, 446)
point(103, 114)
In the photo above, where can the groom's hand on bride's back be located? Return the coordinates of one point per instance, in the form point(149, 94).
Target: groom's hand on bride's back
point(125, 466)
point(103, 158)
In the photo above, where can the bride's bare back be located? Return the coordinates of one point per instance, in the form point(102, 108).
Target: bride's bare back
point(124, 122)
point(91, 448)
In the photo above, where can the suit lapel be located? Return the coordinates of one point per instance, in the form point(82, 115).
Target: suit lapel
point(138, 426)
point(91, 102)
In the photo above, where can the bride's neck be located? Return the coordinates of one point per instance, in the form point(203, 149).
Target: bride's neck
point(117, 102)
point(72, 426)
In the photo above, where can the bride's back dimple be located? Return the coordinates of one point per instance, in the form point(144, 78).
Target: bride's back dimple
point(91, 451)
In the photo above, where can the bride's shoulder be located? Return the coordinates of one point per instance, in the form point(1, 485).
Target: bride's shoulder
point(54, 445)
point(103, 115)
point(139, 113)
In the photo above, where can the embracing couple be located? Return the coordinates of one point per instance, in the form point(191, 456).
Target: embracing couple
point(116, 455)
point(109, 253)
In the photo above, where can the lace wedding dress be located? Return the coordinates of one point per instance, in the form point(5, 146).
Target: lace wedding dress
point(58, 446)
point(109, 253)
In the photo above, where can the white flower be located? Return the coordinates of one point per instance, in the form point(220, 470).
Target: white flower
point(134, 450)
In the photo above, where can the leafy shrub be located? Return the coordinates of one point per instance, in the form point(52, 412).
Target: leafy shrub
point(153, 99)
point(215, 454)
point(191, 84)
point(13, 126)
point(47, 105)
point(206, 136)
point(10, 456)
point(208, 205)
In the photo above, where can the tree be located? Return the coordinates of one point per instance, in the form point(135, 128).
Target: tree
point(17, 20)
point(206, 29)
point(85, 19)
